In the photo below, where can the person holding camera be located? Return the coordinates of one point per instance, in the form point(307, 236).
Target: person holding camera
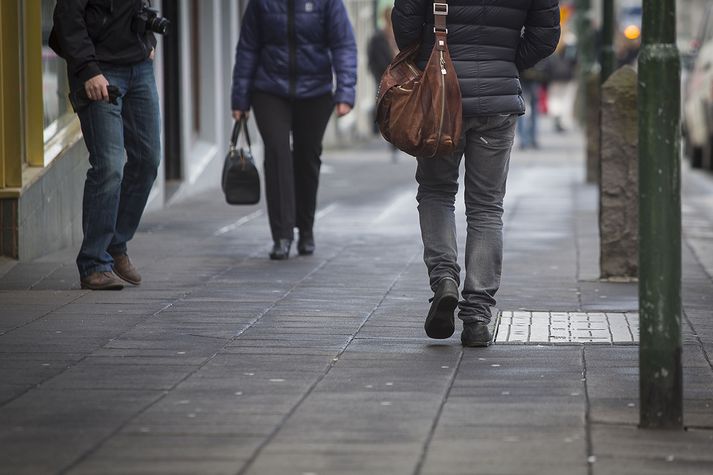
point(109, 47)
point(287, 58)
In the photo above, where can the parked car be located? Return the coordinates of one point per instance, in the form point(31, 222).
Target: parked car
point(697, 123)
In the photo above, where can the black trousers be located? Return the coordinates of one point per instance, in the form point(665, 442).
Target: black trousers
point(291, 171)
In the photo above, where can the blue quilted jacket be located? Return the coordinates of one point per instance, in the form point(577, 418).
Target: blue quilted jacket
point(294, 48)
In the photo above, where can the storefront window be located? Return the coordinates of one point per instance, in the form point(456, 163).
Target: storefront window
point(55, 87)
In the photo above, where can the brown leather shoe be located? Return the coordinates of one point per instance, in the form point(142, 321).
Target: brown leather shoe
point(126, 270)
point(101, 281)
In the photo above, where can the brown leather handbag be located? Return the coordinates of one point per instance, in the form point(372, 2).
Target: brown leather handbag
point(420, 112)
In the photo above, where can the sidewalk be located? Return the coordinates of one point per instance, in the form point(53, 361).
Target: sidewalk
point(224, 362)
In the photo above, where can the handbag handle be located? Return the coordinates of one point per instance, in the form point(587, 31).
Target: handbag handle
point(440, 12)
point(239, 125)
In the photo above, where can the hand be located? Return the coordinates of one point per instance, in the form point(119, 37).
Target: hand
point(152, 54)
point(237, 115)
point(342, 109)
point(96, 88)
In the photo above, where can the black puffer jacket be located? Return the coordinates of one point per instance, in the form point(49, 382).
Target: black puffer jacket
point(487, 43)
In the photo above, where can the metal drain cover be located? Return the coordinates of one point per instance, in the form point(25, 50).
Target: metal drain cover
point(568, 328)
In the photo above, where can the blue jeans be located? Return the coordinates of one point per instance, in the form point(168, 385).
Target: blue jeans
point(527, 124)
point(487, 142)
point(124, 152)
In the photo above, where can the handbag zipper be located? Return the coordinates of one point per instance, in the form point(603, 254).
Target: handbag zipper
point(443, 102)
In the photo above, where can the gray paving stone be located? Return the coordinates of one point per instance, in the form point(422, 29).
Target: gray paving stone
point(505, 451)
point(158, 466)
point(44, 451)
point(8, 391)
point(24, 275)
point(92, 375)
point(628, 450)
point(355, 457)
point(243, 354)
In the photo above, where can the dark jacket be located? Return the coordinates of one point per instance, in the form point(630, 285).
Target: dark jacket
point(290, 47)
point(487, 43)
point(89, 32)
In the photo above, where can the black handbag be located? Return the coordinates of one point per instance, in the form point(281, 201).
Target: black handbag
point(241, 181)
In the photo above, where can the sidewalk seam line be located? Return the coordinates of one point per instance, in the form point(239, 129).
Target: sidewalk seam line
point(99, 444)
point(36, 385)
point(684, 313)
point(22, 325)
point(432, 431)
point(256, 453)
point(577, 250)
point(587, 415)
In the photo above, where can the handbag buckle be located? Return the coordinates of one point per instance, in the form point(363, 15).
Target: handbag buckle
point(440, 9)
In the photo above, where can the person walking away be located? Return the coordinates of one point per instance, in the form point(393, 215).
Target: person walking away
point(562, 88)
point(532, 80)
point(381, 49)
point(112, 44)
point(285, 62)
point(489, 44)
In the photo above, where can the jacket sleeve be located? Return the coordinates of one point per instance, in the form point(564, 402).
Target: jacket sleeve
point(247, 56)
point(542, 33)
point(73, 41)
point(408, 18)
point(344, 52)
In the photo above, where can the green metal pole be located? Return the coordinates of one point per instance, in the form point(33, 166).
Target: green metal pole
point(607, 56)
point(661, 385)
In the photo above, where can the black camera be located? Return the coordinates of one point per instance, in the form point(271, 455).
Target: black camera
point(148, 20)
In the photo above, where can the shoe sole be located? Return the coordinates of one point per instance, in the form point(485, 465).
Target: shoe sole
point(106, 287)
point(440, 323)
point(305, 253)
point(278, 258)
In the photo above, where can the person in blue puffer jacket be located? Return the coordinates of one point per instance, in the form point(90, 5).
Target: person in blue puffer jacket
point(287, 58)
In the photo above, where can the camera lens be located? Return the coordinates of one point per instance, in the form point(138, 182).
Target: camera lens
point(158, 25)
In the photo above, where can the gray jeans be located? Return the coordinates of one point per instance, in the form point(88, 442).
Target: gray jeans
point(486, 142)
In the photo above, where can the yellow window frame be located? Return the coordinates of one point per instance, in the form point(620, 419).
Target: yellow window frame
point(23, 151)
point(10, 102)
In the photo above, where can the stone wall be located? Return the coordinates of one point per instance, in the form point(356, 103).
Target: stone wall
point(619, 185)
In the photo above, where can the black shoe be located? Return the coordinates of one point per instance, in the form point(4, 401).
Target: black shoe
point(440, 323)
point(476, 335)
point(281, 250)
point(305, 246)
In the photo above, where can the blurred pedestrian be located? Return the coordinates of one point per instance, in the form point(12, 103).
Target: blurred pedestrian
point(488, 46)
point(381, 50)
point(562, 89)
point(283, 70)
point(531, 82)
point(535, 82)
point(111, 76)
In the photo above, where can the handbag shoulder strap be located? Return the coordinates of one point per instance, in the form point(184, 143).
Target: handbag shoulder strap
point(440, 12)
point(239, 125)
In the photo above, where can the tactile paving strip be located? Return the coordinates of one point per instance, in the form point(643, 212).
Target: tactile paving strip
point(611, 328)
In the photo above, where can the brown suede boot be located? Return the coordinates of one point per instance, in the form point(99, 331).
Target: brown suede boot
point(101, 281)
point(125, 269)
